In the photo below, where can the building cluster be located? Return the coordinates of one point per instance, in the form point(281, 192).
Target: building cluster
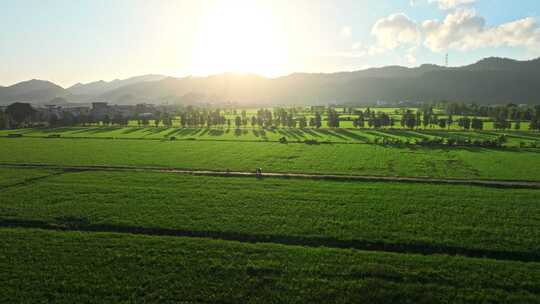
point(98, 111)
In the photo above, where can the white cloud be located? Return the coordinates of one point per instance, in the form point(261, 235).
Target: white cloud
point(346, 32)
point(464, 30)
point(410, 56)
point(451, 4)
point(394, 30)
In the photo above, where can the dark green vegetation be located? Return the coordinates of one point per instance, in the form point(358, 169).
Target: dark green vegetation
point(108, 237)
point(471, 162)
point(69, 267)
point(500, 223)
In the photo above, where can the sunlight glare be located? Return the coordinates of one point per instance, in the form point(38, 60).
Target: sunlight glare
point(241, 37)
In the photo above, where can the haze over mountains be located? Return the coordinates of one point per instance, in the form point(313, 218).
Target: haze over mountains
point(489, 81)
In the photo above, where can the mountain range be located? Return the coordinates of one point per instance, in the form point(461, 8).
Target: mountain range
point(488, 81)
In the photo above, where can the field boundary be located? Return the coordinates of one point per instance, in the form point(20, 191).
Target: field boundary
point(312, 176)
point(288, 240)
point(32, 179)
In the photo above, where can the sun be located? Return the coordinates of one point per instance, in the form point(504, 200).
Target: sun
point(239, 36)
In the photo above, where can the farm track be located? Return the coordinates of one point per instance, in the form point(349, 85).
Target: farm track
point(330, 177)
point(288, 240)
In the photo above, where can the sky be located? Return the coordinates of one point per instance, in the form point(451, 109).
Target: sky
point(70, 41)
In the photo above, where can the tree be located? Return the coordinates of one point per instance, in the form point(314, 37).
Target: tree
point(20, 113)
point(302, 122)
point(442, 123)
point(237, 122)
point(117, 119)
point(517, 125)
point(3, 120)
point(106, 120)
point(464, 123)
point(145, 121)
point(409, 119)
point(318, 120)
point(167, 120)
point(333, 118)
point(477, 124)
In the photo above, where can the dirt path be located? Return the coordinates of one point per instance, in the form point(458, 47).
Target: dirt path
point(357, 178)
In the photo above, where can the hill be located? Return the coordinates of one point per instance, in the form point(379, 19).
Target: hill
point(491, 80)
point(100, 87)
point(34, 91)
point(488, 81)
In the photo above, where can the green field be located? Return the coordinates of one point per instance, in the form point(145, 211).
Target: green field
point(472, 162)
point(341, 135)
point(403, 217)
point(124, 236)
point(72, 267)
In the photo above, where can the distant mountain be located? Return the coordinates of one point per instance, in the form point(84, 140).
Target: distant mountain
point(34, 91)
point(100, 87)
point(488, 81)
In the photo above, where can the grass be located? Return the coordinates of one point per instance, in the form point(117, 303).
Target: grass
point(73, 267)
point(10, 177)
point(476, 221)
point(477, 163)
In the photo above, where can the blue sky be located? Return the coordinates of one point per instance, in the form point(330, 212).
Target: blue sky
point(69, 41)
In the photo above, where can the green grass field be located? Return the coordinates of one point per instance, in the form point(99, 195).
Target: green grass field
point(481, 163)
point(123, 236)
point(404, 217)
point(73, 267)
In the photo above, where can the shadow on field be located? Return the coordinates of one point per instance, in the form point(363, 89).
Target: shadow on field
point(311, 132)
point(100, 130)
point(382, 133)
point(330, 133)
point(291, 133)
point(352, 135)
point(131, 130)
point(216, 132)
point(70, 223)
point(60, 130)
point(155, 130)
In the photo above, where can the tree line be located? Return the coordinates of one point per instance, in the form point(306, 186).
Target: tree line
point(23, 114)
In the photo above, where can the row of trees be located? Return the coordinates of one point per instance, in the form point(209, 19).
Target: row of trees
point(439, 141)
point(501, 112)
point(21, 114)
